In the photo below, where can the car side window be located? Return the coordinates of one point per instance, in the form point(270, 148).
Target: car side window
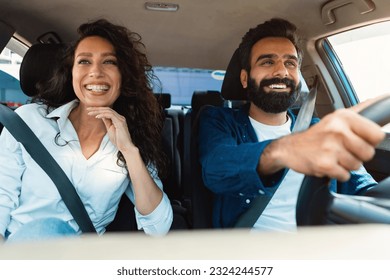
point(363, 57)
point(10, 91)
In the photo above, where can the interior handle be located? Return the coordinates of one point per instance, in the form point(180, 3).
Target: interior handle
point(364, 6)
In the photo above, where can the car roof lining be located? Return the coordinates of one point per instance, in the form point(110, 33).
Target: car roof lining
point(203, 34)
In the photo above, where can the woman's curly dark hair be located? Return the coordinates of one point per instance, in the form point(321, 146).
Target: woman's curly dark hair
point(136, 102)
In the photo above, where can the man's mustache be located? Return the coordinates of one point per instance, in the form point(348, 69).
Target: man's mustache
point(288, 82)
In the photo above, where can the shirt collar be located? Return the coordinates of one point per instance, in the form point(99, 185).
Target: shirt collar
point(61, 116)
point(63, 111)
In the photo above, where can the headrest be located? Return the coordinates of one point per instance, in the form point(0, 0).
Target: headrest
point(37, 65)
point(210, 97)
point(164, 99)
point(231, 86)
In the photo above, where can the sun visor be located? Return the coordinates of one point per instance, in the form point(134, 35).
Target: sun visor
point(6, 32)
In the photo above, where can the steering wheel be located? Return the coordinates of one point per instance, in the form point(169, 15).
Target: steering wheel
point(317, 205)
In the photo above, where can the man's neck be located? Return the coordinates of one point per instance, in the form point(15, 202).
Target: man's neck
point(267, 118)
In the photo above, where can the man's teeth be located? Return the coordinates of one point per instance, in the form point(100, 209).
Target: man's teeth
point(278, 86)
point(97, 87)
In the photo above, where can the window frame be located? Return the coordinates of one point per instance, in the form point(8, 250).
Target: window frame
point(336, 71)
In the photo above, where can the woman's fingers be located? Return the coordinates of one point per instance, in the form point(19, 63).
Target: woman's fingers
point(115, 124)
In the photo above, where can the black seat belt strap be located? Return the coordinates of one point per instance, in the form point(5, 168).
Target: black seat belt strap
point(307, 109)
point(23, 134)
point(250, 216)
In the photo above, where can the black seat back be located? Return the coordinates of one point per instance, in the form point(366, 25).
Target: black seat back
point(172, 145)
point(232, 93)
point(201, 199)
point(231, 87)
point(173, 148)
point(37, 65)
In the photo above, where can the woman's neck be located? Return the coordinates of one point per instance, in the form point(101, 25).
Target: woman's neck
point(87, 126)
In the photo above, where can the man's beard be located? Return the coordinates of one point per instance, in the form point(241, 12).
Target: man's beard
point(273, 101)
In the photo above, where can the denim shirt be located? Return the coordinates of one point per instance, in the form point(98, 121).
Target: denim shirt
point(229, 153)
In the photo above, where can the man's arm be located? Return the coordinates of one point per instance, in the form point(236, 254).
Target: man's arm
point(339, 143)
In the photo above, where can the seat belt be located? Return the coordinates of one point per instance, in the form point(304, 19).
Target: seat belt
point(23, 134)
point(305, 114)
point(306, 111)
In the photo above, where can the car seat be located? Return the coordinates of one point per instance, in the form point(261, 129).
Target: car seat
point(232, 89)
point(172, 139)
point(198, 196)
point(232, 95)
point(172, 145)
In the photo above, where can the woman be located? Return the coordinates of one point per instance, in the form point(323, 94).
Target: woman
point(99, 119)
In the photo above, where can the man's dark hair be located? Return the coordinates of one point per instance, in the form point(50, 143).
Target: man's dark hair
point(275, 27)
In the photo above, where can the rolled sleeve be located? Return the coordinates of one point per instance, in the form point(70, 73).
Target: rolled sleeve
point(157, 222)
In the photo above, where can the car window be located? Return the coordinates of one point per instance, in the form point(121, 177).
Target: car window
point(182, 82)
point(363, 54)
point(10, 91)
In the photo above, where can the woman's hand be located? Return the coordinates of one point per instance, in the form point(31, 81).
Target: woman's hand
point(116, 127)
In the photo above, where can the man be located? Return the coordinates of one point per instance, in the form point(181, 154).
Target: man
point(251, 152)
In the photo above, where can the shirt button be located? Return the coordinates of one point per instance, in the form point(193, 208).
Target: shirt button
point(261, 192)
point(248, 201)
